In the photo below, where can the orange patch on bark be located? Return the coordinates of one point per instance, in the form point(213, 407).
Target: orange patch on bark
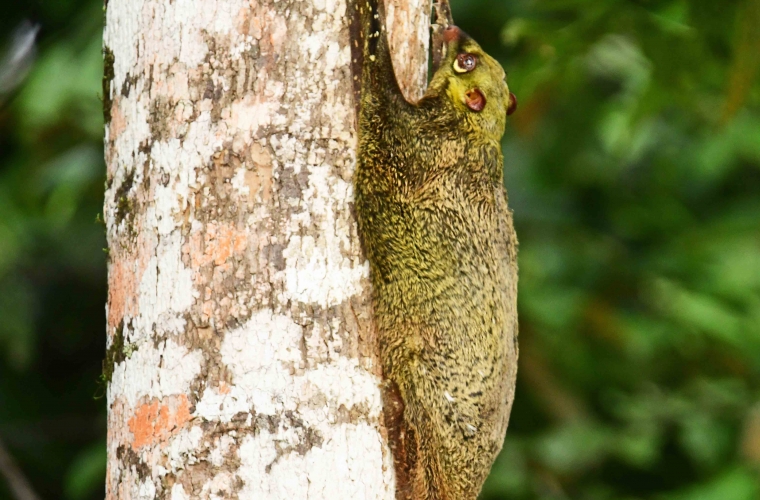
point(158, 420)
point(118, 123)
point(224, 388)
point(122, 290)
point(217, 245)
point(124, 275)
point(116, 127)
point(243, 20)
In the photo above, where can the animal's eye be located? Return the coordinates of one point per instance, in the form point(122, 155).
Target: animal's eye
point(464, 63)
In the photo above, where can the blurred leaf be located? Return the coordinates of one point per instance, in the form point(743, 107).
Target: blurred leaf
point(737, 484)
point(511, 473)
point(87, 472)
point(18, 58)
point(66, 177)
point(746, 62)
point(699, 312)
point(17, 326)
point(574, 446)
point(53, 90)
point(705, 439)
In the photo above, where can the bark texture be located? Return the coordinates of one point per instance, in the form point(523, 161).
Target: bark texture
point(241, 359)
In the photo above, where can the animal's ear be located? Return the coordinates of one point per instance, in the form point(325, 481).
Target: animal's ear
point(475, 100)
point(512, 105)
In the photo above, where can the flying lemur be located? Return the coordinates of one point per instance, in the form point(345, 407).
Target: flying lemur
point(438, 233)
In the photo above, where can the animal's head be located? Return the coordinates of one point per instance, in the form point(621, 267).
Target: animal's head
point(474, 82)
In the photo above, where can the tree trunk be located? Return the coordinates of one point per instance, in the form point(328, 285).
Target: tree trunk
point(241, 359)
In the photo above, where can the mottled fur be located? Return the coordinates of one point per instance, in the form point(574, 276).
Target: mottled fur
point(435, 224)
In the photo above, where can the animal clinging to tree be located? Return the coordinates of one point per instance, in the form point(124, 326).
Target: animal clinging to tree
point(438, 233)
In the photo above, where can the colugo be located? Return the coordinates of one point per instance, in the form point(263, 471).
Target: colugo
point(438, 232)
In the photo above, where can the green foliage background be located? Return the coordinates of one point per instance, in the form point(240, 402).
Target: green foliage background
point(633, 167)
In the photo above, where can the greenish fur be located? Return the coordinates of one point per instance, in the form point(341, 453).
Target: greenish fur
point(435, 225)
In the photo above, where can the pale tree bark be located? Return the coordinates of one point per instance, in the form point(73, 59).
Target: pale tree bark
point(241, 356)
